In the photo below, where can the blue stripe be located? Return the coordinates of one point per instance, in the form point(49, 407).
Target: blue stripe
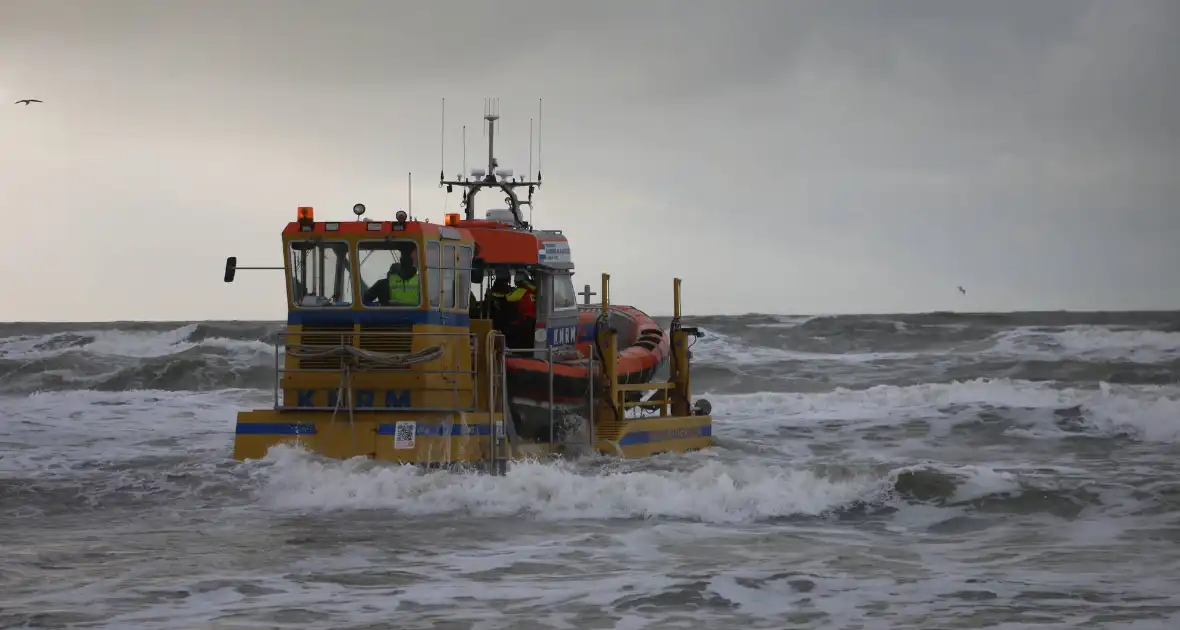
point(376, 317)
point(275, 428)
point(666, 435)
point(296, 428)
point(439, 430)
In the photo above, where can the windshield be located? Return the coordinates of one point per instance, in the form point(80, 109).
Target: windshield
point(320, 274)
point(389, 273)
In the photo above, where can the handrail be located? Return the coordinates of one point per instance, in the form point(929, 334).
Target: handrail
point(344, 345)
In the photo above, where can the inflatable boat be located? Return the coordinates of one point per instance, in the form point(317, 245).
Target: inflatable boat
point(643, 353)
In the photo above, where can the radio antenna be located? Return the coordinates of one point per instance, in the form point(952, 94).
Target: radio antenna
point(540, 125)
point(442, 143)
point(410, 195)
point(530, 166)
point(464, 151)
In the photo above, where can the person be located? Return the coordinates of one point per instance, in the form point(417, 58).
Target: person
point(399, 287)
point(495, 304)
point(522, 303)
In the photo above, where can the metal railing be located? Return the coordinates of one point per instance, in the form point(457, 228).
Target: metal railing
point(369, 362)
point(591, 379)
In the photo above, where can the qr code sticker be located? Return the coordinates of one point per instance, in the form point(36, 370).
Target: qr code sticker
point(404, 434)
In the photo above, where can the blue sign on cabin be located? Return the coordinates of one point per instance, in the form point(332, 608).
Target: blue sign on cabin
point(563, 335)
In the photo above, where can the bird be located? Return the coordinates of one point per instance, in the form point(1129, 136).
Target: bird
point(26, 101)
point(962, 290)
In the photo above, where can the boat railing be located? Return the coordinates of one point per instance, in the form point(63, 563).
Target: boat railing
point(549, 356)
point(344, 353)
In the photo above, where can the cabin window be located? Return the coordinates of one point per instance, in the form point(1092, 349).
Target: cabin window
point(463, 292)
point(433, 274)
point(389, 273)
point(564, 296)
point(448, 276)
point(319, 273)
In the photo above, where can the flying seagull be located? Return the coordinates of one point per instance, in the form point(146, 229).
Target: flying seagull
point(27, 101)
point(962, 290)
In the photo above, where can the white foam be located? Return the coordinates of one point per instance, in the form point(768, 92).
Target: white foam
point(142, 344)
point(713, 491)
point(721, 349)
point(51, 433)
point(1089, 342)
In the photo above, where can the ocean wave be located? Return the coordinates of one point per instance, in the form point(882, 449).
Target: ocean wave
point(743, 354)
point(1145, 413)
point(711, 491)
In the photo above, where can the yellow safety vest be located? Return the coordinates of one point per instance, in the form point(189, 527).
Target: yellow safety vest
point(403, 292)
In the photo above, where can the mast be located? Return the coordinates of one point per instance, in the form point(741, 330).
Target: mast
point(493, 176)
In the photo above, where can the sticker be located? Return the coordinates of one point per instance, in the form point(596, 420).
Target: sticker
point(404, 434)
point(499, 429)
point(554, 251)
point(564, 336)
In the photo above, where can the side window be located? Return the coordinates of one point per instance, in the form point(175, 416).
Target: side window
point(321, 275)
point(463, 292)
point(432, 274)
point(448, 276)
point(564, 296)
point(389, 273)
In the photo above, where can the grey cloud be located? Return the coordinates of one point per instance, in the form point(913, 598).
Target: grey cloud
point(863, 154)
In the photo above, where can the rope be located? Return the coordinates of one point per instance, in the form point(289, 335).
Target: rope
point(425, 355)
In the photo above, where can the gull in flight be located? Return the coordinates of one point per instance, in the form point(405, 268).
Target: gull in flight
point(27, 101)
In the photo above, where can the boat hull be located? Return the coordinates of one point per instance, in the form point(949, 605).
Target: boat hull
point(451, 441)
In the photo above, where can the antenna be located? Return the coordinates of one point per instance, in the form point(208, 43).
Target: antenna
point(540, 124)
point(490, 114)
point(530, 166)
point(410, 195)
point(442, 143)
point(493, 177)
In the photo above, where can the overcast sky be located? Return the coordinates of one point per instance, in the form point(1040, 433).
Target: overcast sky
point(780, 156)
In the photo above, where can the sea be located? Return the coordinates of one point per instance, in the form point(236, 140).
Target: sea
point(933, 471)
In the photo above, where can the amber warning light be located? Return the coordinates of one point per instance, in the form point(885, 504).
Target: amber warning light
point(306, 213)
point(452, 219)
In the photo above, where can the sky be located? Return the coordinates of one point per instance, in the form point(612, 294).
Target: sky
point(780, 156)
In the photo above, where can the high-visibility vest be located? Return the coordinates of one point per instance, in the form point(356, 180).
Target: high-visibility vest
point(527, 299)
point(403, 292)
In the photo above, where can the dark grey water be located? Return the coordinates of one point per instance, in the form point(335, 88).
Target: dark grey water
point(922, 471)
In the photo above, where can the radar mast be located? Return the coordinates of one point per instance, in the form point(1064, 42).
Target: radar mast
point(494, 176)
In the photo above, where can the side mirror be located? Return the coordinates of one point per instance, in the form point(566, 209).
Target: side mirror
point(477, 269)
point(231, 268)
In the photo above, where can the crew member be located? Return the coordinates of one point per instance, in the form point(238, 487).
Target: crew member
point(495, 298)
point(523, 300)
point(399, 287)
